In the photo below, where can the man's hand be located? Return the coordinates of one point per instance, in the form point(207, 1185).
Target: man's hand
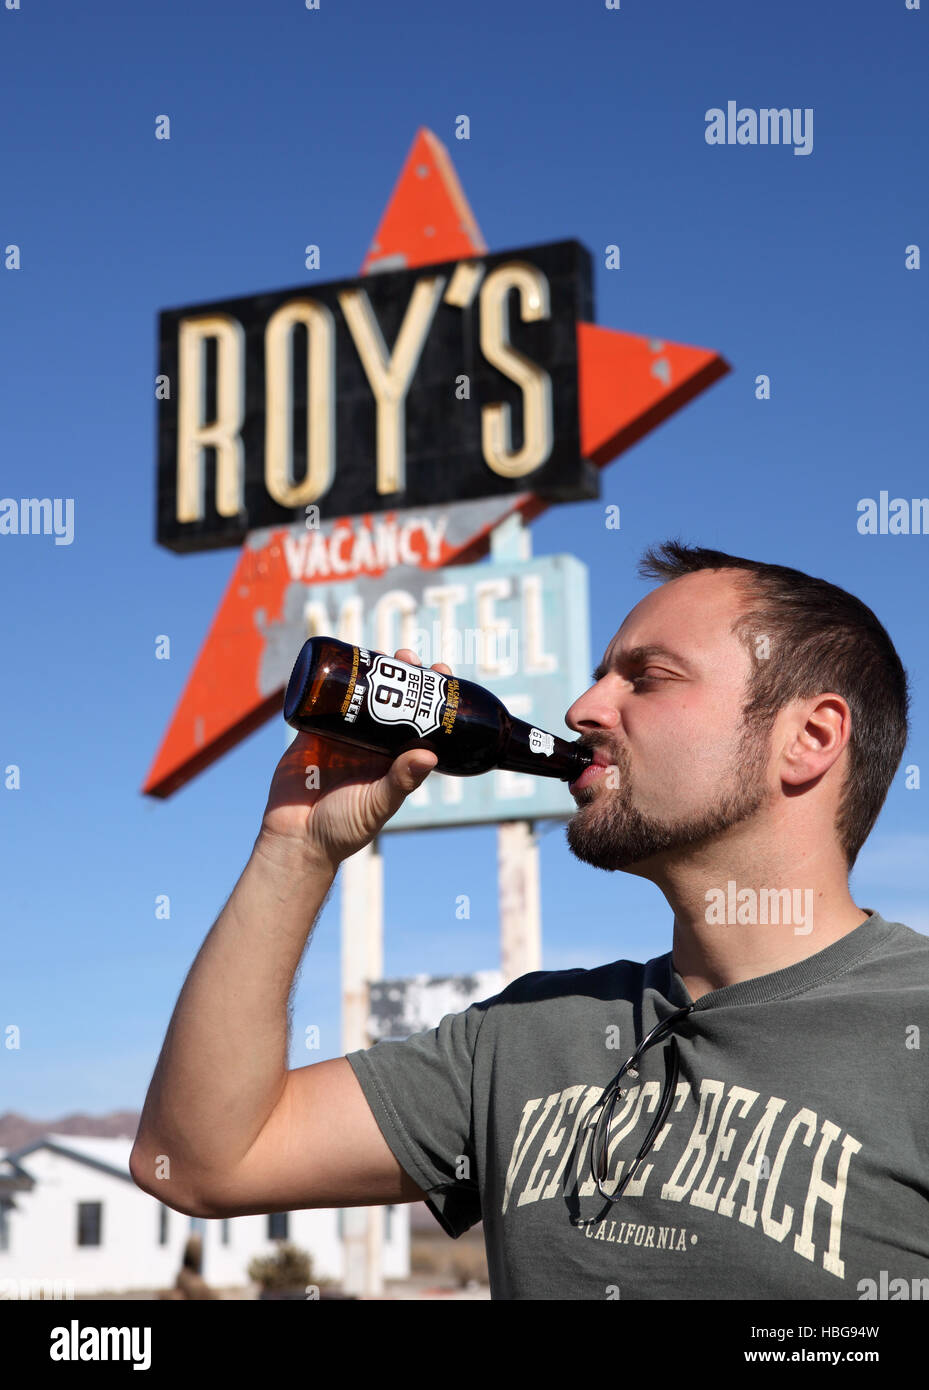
point(358, 792)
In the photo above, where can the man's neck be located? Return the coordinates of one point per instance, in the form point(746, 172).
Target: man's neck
point(751, 919)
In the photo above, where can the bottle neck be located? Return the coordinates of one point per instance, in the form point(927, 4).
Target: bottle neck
point(527, 748)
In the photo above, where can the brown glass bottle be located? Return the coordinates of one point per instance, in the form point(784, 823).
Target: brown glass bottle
point(388, 706)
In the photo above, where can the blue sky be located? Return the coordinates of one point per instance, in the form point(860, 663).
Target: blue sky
point(290, 126)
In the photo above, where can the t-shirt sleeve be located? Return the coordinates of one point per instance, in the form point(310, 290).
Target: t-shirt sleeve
point(420, 1093)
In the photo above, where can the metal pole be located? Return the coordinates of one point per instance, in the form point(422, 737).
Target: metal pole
point(520, 900)
point(518, 880)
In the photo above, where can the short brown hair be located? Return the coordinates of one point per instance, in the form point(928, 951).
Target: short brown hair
point(831, 641)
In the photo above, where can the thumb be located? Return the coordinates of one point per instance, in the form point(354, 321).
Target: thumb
point(403, 776)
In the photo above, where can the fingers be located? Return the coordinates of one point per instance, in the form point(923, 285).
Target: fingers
point(408, 655)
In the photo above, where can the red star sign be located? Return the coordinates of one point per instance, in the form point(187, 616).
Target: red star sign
point(627, 385)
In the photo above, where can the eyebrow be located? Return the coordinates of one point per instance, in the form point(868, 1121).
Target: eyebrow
point(635, 655)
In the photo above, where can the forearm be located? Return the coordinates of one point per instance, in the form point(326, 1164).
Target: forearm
point(223, 1064)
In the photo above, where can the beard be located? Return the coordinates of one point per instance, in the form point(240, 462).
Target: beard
point(608, 832)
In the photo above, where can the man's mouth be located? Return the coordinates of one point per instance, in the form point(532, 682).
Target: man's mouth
point(590, 774)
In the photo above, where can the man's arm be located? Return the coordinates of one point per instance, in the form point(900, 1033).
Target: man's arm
point(226, 1128)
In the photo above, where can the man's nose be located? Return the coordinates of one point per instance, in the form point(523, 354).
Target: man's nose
point(597, 708)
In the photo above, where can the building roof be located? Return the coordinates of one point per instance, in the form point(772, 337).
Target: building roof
point(109, 1155)
point(13, 1178)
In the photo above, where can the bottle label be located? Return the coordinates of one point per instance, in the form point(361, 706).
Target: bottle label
point(357, 690)
point(452, 701)
point(401, 694)
point(541, 742)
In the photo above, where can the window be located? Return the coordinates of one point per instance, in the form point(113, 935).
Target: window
point(6, 1206)
point(163, 1226)
point(89, 1223)
point(224, 1233)
point(277, 1225)
point(388, 1222)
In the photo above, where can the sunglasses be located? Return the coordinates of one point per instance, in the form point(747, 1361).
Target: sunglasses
point(615, 1092)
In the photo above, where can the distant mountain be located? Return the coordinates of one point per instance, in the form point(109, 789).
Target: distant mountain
point(16, 1130)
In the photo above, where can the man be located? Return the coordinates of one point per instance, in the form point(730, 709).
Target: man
point(768, 1139)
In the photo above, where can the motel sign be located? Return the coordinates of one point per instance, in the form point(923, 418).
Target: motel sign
point(281, 401)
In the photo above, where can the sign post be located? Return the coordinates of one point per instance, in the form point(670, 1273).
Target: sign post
point(519, 882)
point(520, 894)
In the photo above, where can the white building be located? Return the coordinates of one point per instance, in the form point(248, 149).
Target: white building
point(73, 1221)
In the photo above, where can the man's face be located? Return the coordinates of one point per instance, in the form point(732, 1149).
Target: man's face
point(669, 722)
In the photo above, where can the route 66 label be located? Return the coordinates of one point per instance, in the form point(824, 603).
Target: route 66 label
point(402, 694)
point(541, 742)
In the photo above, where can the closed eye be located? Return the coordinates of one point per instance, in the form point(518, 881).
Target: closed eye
point(646, 677)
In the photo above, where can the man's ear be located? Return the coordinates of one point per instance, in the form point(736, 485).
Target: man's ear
point(818, 731)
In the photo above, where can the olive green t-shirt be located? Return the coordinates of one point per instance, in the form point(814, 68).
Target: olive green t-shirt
point(793, 1163)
